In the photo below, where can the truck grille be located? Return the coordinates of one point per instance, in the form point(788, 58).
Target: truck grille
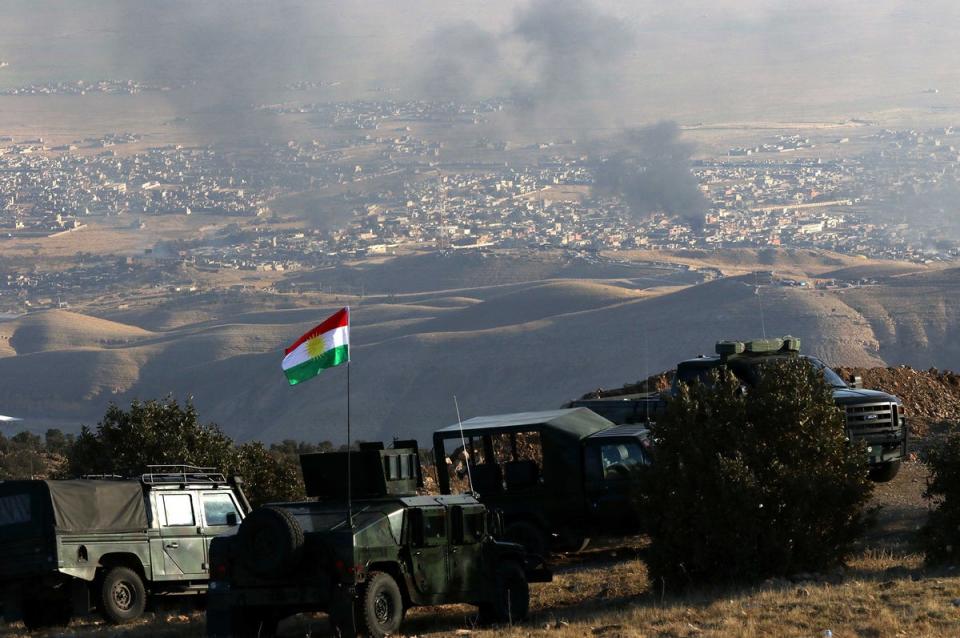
point(867, 419)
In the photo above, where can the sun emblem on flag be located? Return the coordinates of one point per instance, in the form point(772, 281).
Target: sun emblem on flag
point(316, 346)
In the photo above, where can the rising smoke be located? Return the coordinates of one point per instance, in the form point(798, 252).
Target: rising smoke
point(652, 174)
point(562, 62)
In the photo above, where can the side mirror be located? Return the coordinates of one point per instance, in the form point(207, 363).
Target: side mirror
point(232, 519)
point(415, 527)
point(856, 382)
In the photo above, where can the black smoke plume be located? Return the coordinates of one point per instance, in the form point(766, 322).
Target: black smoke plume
point(652, 174)
point(561, 61)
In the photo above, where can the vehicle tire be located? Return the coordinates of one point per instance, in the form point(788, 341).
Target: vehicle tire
point(885, 472)
point(381, 606)
point(512, 597)
point(122, 595)
point(270, 541)
point(529, 535)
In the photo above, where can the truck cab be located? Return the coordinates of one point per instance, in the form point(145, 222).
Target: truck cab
point(559, 477)
point(876, 418)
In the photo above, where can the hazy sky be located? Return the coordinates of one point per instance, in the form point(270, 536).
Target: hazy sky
point(632, 61)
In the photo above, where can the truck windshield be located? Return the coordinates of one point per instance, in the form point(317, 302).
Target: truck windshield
point(748, 371)
point(833, 379)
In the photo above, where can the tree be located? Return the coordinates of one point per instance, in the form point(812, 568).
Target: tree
point(940, 536)
point(268, 475)
point(154, 432)
point(151, 432)
point(748, 485)
point(56, 442)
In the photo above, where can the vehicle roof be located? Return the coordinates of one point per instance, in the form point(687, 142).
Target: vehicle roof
point(83, 505)
point(743, 357)
point(578, 422)
point(445, 500)
point(629, 430)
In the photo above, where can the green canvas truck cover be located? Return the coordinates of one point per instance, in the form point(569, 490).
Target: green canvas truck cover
point(561, 432)
point(71, 506)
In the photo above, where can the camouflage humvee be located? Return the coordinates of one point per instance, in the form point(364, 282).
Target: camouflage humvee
point(397, 550)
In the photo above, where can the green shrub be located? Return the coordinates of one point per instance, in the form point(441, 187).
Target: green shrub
point(155, 432)
point(940, 537)
point(752, 484)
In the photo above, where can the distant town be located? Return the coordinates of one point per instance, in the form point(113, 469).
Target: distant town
point(399, 192)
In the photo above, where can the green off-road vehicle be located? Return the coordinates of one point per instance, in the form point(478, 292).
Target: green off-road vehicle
point(67, 547)
point(367, 564)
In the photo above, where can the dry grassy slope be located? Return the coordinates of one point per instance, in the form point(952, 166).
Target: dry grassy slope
point(405, 384)
point(791, 261)
point(63, 330)
point(915, 317)
point(534, 302)
point(523, 346)
point(428, 273)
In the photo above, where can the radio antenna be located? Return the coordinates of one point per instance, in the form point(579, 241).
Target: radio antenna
point(756, 283)
point(463, 442)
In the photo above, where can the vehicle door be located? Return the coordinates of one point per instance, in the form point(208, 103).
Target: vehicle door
point(184, 555)
point(611, 469)
point(429, 549)
point(221, 515)
point(467, 529)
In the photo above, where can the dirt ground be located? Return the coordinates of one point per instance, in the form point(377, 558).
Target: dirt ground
point(604, 591)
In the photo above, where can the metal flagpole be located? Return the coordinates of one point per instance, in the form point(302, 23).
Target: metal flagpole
point(349, 454)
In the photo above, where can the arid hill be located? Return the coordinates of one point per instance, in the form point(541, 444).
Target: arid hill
point(499, 347)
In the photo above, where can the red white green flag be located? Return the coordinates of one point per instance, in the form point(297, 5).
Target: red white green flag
point(325, 346)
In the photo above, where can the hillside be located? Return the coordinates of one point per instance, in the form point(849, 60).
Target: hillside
point(500, 347)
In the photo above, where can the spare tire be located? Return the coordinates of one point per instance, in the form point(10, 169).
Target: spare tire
point(270, 541)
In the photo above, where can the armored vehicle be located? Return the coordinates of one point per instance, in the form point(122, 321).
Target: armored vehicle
point(69, 546)
point(367, 560)
point(560, 477)
point(876, 418)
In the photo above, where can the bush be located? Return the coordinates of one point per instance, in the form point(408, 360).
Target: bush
point(151, 432)
point(940, 537)
point(154, 432)
point(750, 485)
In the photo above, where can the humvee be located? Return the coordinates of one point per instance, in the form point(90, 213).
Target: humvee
point(67, 546)
point(876, 418)
point(366, 561)
point(560, 477)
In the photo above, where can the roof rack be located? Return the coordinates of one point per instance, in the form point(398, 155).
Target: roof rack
point(103, 477)
point(181, 474)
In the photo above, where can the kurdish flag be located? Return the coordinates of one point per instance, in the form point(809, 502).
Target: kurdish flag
point(325, 346)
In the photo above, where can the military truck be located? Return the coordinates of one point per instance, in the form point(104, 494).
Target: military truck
point(876, 418)
point(559, 477)
point(68, 546)
point(367, 560)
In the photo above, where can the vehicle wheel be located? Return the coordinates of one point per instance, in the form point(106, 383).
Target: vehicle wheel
point(270, 541)
point(381, 606)
point(122, 595)
point(528, 535)
point(885, 472)
point(512, 597)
